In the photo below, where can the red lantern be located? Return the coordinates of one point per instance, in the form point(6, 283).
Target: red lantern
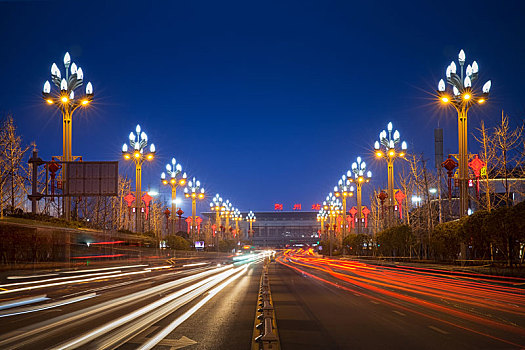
point(400, 196)
point(366, 211)
point(477, 164)
point(449, 165)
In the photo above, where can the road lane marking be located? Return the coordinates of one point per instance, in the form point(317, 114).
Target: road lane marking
point(399, 313)
point(375, 302)
point(438, 330)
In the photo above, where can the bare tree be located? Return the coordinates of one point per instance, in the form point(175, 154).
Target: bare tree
point(13, 168)
point(488, 155)
point(505, 141)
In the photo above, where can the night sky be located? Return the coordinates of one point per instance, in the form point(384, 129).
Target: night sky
point(262, 101)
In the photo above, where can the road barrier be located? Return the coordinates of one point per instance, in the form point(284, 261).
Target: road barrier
point(267, 337)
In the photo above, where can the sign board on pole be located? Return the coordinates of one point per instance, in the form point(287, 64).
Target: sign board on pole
point(87, 179)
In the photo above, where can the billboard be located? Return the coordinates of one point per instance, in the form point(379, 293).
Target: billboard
point(91, 178)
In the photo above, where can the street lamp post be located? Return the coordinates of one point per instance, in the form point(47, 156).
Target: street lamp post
point(343, 190)
point(463, 97)
point(251, 219)
point(67, 104)
point(361, 176)
point(237, 216)
point(321, 218)
point(333, 208)
point(194, 191)
point(387, 148)
point(226, 214)
point(138, 143)
point(218, 207)
point(174, 170)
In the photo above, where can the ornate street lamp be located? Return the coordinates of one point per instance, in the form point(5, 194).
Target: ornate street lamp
point(174, 180)
point(333, 209)
point(321, 218)
point(67, 103)
point(194, 191)
point(343, 190)
point(251, 219)
point(361, 176)
point(390, 147)
point(218, 207)
point(237, 216)
point(226, 214)
point(462, 96)
point(136, 152)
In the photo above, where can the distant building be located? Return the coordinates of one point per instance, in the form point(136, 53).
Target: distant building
point(281, 228)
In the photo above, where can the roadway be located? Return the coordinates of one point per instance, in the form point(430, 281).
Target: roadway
point(343, 304)
point(199, 305)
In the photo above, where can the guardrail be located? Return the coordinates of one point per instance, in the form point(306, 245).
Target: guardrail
point(267, 328)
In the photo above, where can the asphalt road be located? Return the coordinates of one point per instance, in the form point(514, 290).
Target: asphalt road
point(330, 304)
point(199, 306)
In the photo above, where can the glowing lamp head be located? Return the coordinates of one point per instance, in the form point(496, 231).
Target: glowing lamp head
point(389, 126)
point(49, 101)
point(448, 72)
point(126, 156)
point(136, 154)
point(475, 67)
point(55, 71)
point(391, 153)
point(74, 68)
point(63, 85)
point(376, 145)
point(481, 101)
point(455, 90)
point(445, 99)
point(461, 56)
point(396, 135)
point(163, 176)
point(486, 87)
point(85, 102)
point(137, 129)
point(453, 67)
point(124, 148)
point(441, 86)
point(152, 148)
point(47, 87)
point(80, 73)
point(467, 82)
point(467, 96)
point(404, 145)
point(64, 99)
point(67, 59)
point(379, 154)
point(89, 89)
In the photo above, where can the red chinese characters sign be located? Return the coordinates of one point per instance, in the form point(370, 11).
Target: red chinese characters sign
point(278, 206)
point(297, 207)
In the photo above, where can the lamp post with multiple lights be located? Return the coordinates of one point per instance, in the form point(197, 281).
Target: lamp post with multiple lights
point(218, 207)
point(227, 214)
point(333, 208)
point(388, 148)
point(463, 97)
point(174, 170)
point(67, 103)
point(251, 219)
point(361, 176)
point(194, 191)
point(321, 218)
point(138, 143)
point(237, 216)
point(344, 190)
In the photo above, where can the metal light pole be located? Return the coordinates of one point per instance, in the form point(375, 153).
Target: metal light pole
point(237, 217)
point(138, 143)
point(333, 207)
point(463, 97)
point(67, 104)
point(217, 206)
point(251, 219)
point(174, 170)
point(194, 191)
point(321, 218)
point(387, 148)
point(361, 176)
point(226, 214)
point(343, 190)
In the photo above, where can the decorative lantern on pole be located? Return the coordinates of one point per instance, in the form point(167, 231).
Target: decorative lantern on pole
point(449, 164)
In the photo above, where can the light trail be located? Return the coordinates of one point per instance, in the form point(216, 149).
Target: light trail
point(423, 289)
point(35, 308)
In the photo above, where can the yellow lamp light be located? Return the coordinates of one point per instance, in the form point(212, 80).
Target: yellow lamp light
point(64, 99)
point(445, 99)
point(467, 96)
point(49, 101)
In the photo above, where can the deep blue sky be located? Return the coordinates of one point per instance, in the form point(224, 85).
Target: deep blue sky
point(267, 101)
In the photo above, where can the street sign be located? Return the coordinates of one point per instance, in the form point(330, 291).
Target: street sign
point(92, 178)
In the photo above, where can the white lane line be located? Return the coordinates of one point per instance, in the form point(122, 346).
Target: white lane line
point(23, 301)
point(438, 330)
point(399, 313)
point(357, 295)
point(35, 308)
point(375, 302)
